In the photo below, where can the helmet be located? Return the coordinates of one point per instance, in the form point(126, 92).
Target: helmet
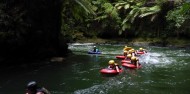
point(94, 46)
point(111, 62)
point(129, 55)
point(116, 64)
point(125, 51)
point(140, 49)
point(32, 85)
point(133, 50)
point(133, 58)
point(130, 51)
point(125, 46)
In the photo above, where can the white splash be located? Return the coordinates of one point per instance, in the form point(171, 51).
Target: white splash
point(103, 88)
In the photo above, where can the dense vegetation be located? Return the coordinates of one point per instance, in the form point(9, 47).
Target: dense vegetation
point(37, 28)
point(129, 19)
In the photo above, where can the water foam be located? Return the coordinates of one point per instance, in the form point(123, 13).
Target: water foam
point(156, 58)
point(103, 88)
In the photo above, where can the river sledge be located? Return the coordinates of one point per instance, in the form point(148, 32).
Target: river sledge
point(140, 53)
point(110, 72)
point(92, 52)
point(125, 61)
point(120, 57)
point(131, 66)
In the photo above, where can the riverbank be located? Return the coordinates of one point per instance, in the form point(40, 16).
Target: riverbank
point(169, 42)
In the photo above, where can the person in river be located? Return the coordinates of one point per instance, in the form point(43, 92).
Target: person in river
point(125, 53)
point(129, 52)
point(128, 57)
point(145, 51)
point(113, 65)
point(126, 48)
point(142, 50)
point(33, 88)
point(135, 61)
point(133, 52)
point(95, 49)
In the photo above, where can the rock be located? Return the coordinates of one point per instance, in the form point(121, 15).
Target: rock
point(57, 59)
point(140, 43)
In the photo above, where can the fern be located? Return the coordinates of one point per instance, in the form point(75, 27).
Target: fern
point(86, 5)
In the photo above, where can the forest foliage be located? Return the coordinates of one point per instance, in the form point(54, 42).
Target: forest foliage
point(40, 28)
point(127, 19)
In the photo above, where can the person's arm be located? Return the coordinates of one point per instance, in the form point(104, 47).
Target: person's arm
point(117, 68)
point(109, 67)
point(145, 51)
point(125, 58)
point(137, 64)
point(133, 54)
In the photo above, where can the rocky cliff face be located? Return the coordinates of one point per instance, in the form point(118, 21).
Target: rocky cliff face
point(31, 29)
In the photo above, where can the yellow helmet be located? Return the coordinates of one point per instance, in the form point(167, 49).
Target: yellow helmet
point(133, 50)
point(116, 64)
point(130, 51)
point(133, 58)
point(111, 62)
point(140, 49)
point(125, 51)
point(125, 46)
point(129, 55)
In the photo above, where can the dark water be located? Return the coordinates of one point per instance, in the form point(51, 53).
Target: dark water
point(164, 71)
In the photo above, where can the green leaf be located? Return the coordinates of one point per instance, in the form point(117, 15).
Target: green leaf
point(127, 6)
point(108, 7)
point(155, 8)
point(126, 26)
point(86, 5)
point(119, 7)
point(146, 14)
point(146, 11)
point(120, 32)
point(126, 19)
point(133, 11)
point(101, 17)
point(135, 15)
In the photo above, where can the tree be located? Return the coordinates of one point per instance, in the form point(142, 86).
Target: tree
point(178, 17)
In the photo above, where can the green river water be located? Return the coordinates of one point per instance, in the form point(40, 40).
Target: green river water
point(164, 71)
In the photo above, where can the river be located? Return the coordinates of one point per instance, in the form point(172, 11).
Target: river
point(164, 71)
